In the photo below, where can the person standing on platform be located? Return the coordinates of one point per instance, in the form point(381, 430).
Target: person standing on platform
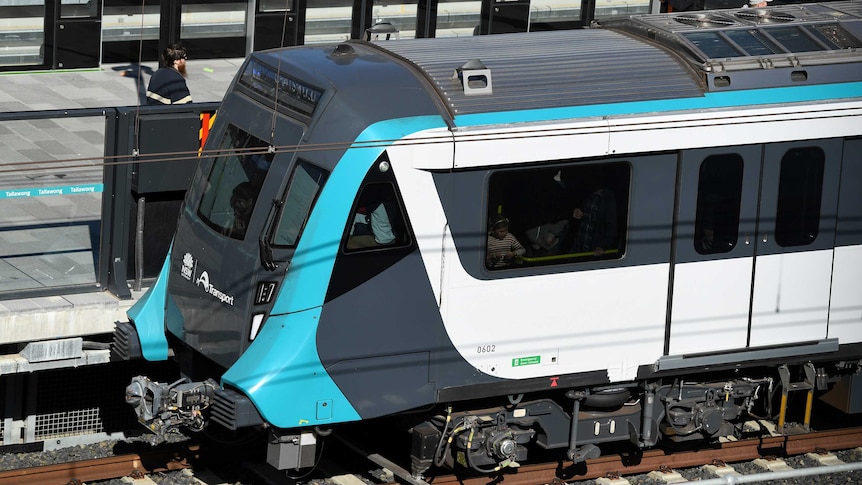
point(168, 84)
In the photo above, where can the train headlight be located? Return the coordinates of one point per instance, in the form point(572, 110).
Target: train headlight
point(256, 322)
point(383, 167)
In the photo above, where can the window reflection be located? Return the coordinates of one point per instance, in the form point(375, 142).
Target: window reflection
point(329, 23)
point(402, 16)
point(613, 8)
point(76, 9)
point(458, 18)
point(555, 11)
point(304, 188)
point(125, 23)
point(214, 20)
point(22, 34)
point(274, 5)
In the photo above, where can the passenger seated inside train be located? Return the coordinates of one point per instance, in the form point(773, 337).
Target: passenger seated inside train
point(503, 248)
point(242, 203)
point(547, 239)
point(597, 219)
point(371, 224)
point(571, 214)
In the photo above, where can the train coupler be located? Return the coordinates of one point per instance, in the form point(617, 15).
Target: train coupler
point(164, 408)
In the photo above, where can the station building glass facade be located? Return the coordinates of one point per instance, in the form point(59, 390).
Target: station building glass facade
point(74, 34)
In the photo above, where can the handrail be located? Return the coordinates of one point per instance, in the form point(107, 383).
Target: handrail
point(556, 257)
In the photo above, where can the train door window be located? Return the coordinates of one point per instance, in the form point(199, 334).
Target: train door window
point(456, 18)
point(800, 190)
point(234, 183)
point(377, 221)
point(719, 198)
point(559, 215)
point(305, 185)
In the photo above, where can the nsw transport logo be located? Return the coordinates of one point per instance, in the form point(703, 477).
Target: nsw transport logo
point(188, 266)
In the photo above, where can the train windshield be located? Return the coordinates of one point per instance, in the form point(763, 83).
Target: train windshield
point(234, 183)
point(304, 186)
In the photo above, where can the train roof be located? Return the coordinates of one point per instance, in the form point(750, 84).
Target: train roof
point(643, 58)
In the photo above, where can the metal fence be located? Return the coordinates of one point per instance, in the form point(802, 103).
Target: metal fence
point(104, 216)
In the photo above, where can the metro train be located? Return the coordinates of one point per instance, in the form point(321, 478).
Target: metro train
point(331, 263)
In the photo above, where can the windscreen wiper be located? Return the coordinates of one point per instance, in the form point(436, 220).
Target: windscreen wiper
point(266, 259)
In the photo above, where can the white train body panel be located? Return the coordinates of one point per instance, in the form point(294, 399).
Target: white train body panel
point(845, 306)
point(560, 322)
point(714, 295)
point(791, 298)
point(529, 142)
point(742, 126)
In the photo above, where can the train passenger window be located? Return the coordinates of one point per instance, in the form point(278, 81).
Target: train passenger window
point(558, 215)
point(305, 185)
point(234, 182)
point(719, 198)
point(377, 220)
point(800, 190)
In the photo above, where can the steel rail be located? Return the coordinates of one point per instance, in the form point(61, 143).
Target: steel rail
point(650, 460)
point(129, 465)
point(82, 471)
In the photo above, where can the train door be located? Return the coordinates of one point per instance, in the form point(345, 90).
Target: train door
point(714, 258)
point(756, 228)
point(795, 241)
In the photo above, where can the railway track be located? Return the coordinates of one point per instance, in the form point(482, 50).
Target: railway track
point(661, 460)
point(629, 464)
point(138, 465)
point(135, 465)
